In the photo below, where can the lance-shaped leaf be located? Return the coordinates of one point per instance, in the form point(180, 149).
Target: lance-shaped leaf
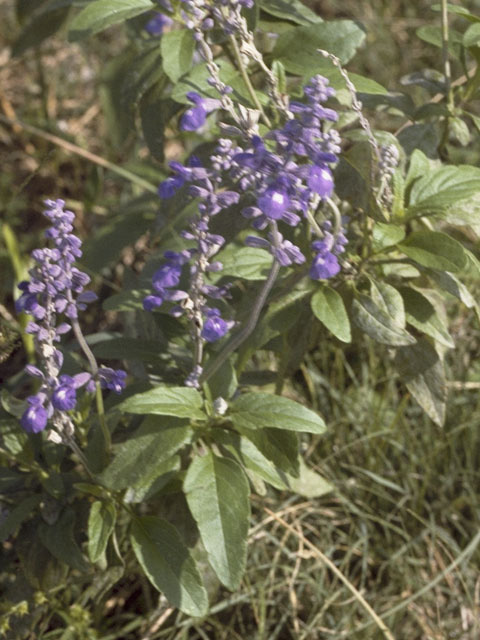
point(249, 263)
point(181, 402)
point(422, 315)
point(247, 454)
point(389, 299)
point(443, 188)
point(152, 443)
point(101, 522)
point(423, 372)
point(177, 49)
point(297, 48)
point(59, 539)
point(435, 250)
point(277, 445)
point(99, 15)
point(292, 10)
point(258, 410)
point(378, 324)
point(309, 483)
point(168, 564)
point(328, 307)
point(16, 516)
point(386, 235)
point(217, 494)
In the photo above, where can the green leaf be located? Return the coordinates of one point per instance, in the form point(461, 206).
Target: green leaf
point(367, 85)
point(155, 113)
point(168, 564)
point(123, 230)
point(181, 402)
point(279, 317)
point(297, 48)
point(152, 443)
point(130, 349)
point(422, 315)
point(42, 25)
point(386, 235)
point(248, 263)
point(423, 137)
point(471, 37)
point(59, 539)
point(448, 282)
point(458, 130)
point(250, 457)
point(423, 373)
point(419, 166)
point(278, 71)
point(101, 14)
point(223, 383)
point(258, 410)
point(443, 188)
point(141, 74)
point(433, 35)
point(460, 11)
point(197, 80)
point(101, 523)
point(309, 483)
point(328, 307)
point(277, 445)
point(151, 483)
point(14, 518)
point(126, 300)
point(217, 494)
point(378, 324)
point(292, 10)
point(389, 300)
point(435, 250)
point(177, 51)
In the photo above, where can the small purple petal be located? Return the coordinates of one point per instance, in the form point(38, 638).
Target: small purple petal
point(34, 419)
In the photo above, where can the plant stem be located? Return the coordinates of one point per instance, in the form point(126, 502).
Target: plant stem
point(446, 61)
point(243, 334)
point(98, 391)
point(246, 79)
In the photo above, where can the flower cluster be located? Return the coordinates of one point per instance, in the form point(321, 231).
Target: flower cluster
point(203, 184)
point(288, 173)
point(56, 288)
point(203, 15)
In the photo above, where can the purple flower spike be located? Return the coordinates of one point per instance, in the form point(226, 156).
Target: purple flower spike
point(152, 302)
point(56, 287)
point(169, 187)
point(166, 276)
point(274, 202)
point(195, 117)
point(324, 267)
point(156, 25)
point(214, 326)
point(64, 397)
point(320, 180)
point(113, 379)
point(35, 417)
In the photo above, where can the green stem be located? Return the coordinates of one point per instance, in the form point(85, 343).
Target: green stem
point(250, 325)
point(446, 61)
point(246, 79)
point(98, 391)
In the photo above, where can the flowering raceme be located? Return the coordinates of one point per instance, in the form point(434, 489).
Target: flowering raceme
point(56, 288)
point(280, 178)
